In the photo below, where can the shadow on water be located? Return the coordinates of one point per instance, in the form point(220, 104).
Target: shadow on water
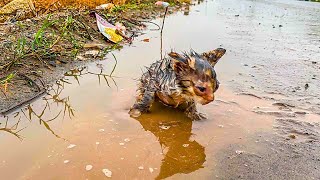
point(174, 133)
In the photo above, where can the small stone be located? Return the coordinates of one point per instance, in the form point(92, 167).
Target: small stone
point(122, 158)
point(239, 152)
point(101, 130)
point(292, 136)
point(107, 172)
point(66, 161)
point(141, 167)
point(126, 140)
point(121, 144)
point(165, 127)
point(185, 145)
point(97, 143)
point(151, 170)
point(220, 126)
point(89, 167)
point(71, 146)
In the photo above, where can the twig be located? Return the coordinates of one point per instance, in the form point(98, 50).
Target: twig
point(165, 13)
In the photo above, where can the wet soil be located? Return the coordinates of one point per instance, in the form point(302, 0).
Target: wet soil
point(258, 128)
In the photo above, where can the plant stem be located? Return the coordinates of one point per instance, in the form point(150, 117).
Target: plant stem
point(165, 13)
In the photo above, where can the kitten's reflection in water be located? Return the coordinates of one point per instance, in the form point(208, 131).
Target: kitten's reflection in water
point(173, 130)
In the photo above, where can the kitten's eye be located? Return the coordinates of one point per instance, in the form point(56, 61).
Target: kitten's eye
point(202, 89)
point(217, 85)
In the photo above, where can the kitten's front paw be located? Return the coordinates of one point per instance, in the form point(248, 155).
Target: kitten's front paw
point(197, 116)
point(135, 112)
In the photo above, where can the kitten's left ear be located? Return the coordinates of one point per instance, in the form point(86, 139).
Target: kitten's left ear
point(214, 56)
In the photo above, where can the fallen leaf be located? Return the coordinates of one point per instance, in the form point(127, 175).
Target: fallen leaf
point(146, 40)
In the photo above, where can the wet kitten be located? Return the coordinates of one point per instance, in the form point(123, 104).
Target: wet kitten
point(179, 81)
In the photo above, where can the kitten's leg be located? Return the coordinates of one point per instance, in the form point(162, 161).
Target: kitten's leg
point(192, 112)
point(143, 103)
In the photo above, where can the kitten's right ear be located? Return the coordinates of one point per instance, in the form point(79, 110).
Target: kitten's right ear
point(214, 56)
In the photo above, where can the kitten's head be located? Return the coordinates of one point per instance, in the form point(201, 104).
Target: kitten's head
point(196, 74)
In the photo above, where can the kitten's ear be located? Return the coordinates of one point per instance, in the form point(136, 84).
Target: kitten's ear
point(180, 64)
point(214, 56)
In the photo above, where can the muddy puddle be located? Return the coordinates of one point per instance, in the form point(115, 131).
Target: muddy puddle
point(81, 130)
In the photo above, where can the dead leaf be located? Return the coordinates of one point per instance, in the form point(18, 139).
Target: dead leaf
point(146, 40)
point(95, 45)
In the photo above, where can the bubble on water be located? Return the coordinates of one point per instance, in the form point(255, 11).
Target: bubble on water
point(97, 143)
point(165, 127)
point(66, 161)
point(121, 144)
point(126, 140)
point(107, 172)
point(101, 130)
point(151, 170)
point(141, 167)
point(185, 145)
point(89, 167)
point(71, 146)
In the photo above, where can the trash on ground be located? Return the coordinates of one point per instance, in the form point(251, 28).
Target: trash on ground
point(162, 3)
point(108, 30)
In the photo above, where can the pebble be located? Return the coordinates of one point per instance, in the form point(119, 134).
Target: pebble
point(185, 145)
point(151, 170)
point(89, 167)
point(97, 143)
point(107, 172)
point(101, 130)
point(66, 161)
point(71, 146)
point(121, 144)
point(220, 126)
point(239, 152)
point(165, 127)
point(126, 140)
point(141, 167)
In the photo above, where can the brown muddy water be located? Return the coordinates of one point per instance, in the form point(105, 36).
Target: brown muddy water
point(82, 127)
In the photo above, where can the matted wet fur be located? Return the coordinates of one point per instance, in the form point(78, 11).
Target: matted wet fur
point(179, 81)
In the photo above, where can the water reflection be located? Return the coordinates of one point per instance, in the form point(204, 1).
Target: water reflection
point(13, 129)
point(42, 112)
point(173, 130)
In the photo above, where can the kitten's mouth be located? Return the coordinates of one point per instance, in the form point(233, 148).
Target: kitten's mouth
point(204, 101)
